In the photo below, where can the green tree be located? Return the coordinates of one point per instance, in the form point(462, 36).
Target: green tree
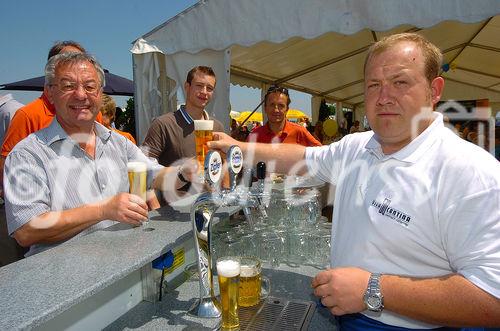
point(125, 120)
point(325, 111)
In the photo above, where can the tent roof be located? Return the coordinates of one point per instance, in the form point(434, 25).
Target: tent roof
point(332, 64)
point(318, 46)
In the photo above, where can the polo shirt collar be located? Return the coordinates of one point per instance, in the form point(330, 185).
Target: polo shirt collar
point(187, 117)
point(415, 149)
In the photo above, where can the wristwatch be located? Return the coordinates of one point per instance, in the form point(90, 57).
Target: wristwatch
point(374, 300)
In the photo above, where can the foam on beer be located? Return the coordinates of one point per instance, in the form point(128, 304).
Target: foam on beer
point(228, 268)
point(136, 166)
point(204, 125)
point(248, 271)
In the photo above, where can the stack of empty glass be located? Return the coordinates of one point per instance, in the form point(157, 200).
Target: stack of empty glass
point(284, 227)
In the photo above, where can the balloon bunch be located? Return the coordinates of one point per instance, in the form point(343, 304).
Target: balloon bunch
point(447, 66)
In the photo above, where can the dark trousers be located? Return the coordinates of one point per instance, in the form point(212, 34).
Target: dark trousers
point(360, 322)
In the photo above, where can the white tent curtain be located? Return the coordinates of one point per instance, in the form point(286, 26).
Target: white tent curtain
point(315, 104)
point(147, 91)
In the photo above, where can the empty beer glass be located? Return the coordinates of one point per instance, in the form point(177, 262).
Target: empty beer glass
point(228, 271)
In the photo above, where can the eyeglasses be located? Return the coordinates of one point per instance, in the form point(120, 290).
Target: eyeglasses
point(276, 88)
point(70, 87)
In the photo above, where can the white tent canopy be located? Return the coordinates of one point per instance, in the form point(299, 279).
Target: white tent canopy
point(314, 46)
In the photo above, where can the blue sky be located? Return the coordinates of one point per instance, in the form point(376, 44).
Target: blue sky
point(106, 28)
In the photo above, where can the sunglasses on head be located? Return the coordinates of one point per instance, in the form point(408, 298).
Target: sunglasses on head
point(275, 88)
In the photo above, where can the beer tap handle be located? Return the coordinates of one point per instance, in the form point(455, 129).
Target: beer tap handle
point(235, 164)
point(261, 170)
point(213, 168)
point(261, 175)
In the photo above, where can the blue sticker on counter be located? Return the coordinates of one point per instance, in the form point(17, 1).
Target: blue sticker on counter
point(164, 261)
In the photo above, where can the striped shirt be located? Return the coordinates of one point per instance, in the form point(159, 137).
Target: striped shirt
point(49, 171)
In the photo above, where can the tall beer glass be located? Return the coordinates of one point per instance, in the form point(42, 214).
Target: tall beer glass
point(137, 176)
point(228, 270)
point(203, 133)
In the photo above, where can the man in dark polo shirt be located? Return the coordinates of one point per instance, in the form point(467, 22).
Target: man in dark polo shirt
point(278, 129)
point(171, 136)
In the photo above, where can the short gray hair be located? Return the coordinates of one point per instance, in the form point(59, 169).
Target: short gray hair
point(71, 58)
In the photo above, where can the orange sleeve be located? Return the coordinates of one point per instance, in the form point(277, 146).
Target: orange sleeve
point(126, 135)
point(308, 139)
point(19, 128)
point(99, 118)
point(130, 137)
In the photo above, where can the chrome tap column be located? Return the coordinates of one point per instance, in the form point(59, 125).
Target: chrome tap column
point(201, 216)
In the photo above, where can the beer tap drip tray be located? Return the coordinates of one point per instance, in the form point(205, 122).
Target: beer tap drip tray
point(277, 314)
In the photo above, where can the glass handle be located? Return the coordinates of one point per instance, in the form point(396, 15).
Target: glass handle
point(265, 287)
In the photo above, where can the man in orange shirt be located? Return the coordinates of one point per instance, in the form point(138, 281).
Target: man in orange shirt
point(36, 115)
point(278, 129)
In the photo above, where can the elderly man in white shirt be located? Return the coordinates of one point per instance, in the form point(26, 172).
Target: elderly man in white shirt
point(71, 178)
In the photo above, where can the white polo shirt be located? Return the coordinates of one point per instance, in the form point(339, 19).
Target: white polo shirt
point(428, 210)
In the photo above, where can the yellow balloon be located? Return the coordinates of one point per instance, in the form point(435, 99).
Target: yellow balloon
point(330, 127)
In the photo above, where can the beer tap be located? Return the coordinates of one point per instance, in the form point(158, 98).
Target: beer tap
point(201, 216)
point(261, 177)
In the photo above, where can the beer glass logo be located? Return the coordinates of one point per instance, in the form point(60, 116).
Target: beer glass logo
point(213, 167)
point(236, 159)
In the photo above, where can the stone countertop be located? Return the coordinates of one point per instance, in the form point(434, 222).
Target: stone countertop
point(40, 287)
point(171, 313)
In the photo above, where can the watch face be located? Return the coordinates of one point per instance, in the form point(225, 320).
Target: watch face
point(373, 302)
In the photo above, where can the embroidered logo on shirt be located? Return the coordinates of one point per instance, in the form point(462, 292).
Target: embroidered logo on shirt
point(397, 215)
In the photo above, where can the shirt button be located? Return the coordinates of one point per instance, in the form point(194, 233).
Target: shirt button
point(103, 186)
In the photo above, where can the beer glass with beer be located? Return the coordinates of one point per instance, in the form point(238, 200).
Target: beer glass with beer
point(228, 271)
point(137, 176)
point(203, 133)
point(253, 286)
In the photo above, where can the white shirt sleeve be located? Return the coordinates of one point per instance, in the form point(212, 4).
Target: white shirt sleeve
point(471, 227)
point(326, 162)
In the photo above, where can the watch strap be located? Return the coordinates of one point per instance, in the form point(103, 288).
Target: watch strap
point(373, 291)
point(374, 283)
